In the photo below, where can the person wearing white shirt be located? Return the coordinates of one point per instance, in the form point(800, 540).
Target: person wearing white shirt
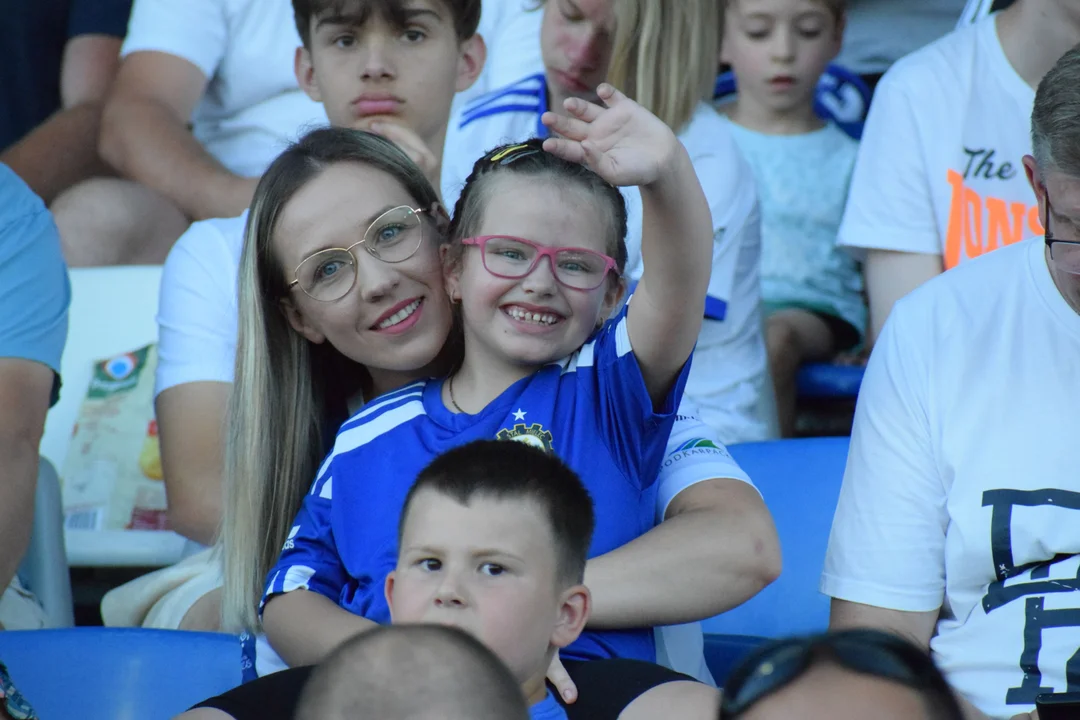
point(585, 43)
point(957, 524)
point(938, 179)
point(205, 98)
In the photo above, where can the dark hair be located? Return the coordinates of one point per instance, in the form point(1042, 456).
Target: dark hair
point(1055, 117)
point(412, 671)
point(466, 14)
point(529, 159)
point(777, 664)
point(512, 470)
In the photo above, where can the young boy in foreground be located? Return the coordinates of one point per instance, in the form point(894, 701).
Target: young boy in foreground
point(493, 540)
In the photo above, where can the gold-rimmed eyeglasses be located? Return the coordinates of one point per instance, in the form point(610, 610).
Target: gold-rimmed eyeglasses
point(393, 237)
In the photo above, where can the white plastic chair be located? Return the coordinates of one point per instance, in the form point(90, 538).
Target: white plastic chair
point(44, 569)
point(113, 310)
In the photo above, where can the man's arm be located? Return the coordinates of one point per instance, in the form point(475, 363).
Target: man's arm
point(191, 420)
point(716, 548)
point(890, 276)
point(916, 627)
point(63, 150)
point(25, 390)
point(145, 136)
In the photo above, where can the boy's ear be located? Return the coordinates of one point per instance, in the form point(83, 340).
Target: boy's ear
point(299, 322)
point(472, 54)
point(388, 590)
point(575, 606)
point(305, 73)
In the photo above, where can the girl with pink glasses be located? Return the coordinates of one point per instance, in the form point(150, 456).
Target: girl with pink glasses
point(535, 261)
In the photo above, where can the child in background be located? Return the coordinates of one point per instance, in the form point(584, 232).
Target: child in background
point(812, 290)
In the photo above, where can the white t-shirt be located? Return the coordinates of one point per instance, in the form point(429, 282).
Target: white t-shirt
point(961, 490)
point(252, 106)
point(728, 378)
point(939, 168)
point(511, 31)
point(197, 307)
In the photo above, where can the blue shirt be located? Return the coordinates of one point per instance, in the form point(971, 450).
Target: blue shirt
point(34, 291)
point(592, 409)
point(547, 709)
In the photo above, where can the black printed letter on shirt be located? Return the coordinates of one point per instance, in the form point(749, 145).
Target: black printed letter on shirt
point(1036, 617)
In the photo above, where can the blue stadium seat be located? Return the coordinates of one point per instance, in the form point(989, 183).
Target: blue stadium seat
point(800, 481)
point(724, 652)
point(95, 673)
point(825, 380)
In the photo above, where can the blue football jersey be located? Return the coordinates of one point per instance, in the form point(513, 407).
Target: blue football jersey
point(592, 409)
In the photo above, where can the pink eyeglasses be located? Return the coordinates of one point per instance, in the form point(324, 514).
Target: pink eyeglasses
point(513, 258)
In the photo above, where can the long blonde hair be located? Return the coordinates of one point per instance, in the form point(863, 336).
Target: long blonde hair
point(665, 55)
point(288, 395)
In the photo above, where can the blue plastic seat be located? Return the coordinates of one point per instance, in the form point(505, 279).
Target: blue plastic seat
point(800, 481)
point(724, 652)
point(825, 380)
point(96, 673)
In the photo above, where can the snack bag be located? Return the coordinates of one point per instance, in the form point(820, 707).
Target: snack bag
point(112, 473)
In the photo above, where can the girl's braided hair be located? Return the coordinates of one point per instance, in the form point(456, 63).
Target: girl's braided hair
point(529, 159)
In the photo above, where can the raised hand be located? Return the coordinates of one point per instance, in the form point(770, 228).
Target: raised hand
point(620, 141)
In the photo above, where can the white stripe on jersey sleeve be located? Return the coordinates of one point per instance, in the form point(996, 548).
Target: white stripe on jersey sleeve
point(622, 338)
point(296, 578)
point(348, 440)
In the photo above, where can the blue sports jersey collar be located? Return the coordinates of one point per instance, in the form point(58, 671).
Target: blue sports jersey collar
point(436, 409)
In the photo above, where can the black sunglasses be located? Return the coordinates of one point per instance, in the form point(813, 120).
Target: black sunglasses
point(776, 665)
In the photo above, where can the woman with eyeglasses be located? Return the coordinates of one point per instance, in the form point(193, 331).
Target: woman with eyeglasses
point(844, 674)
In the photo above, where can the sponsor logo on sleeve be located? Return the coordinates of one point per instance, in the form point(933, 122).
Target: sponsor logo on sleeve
point(695, 448)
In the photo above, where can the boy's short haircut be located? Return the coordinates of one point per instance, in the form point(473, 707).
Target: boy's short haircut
point(412, 672)
point(466, 14)
point(512, 470)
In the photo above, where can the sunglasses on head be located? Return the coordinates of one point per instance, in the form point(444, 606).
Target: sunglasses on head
point(776, 665)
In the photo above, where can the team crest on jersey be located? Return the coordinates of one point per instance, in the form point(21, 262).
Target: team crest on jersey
point(534, 435)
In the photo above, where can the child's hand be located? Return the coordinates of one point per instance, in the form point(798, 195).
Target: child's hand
point(623, 142)
point(559, 678)
point(410, 144)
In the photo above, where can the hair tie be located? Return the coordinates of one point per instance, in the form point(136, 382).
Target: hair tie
point(511, 154)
